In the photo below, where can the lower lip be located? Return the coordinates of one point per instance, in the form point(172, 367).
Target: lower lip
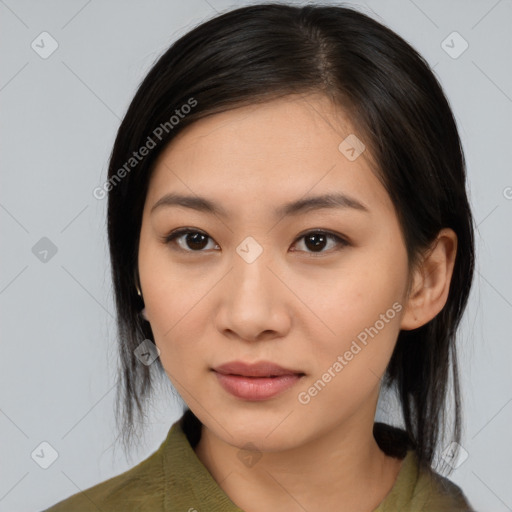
point(256, 388)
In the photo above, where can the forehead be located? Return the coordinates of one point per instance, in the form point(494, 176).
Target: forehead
point(288, 126)
point(271, 152)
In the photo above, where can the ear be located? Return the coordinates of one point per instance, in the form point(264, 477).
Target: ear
point(431, 282)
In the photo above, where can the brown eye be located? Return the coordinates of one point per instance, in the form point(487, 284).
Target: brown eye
point(189, 240)
point(316, 241)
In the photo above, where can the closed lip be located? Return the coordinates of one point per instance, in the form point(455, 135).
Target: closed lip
point(259, 369)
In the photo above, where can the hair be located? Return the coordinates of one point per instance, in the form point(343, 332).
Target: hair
point(266, 51)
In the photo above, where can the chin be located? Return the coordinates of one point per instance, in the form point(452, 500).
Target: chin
point(269, 430)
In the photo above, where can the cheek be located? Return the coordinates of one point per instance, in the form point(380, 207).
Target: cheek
point(349, 365)
point(169, 293)
point(363, 341)
point(175, 324)
point(362, 311)
point(167, 300)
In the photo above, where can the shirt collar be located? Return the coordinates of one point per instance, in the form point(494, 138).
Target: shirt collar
point(189, 485)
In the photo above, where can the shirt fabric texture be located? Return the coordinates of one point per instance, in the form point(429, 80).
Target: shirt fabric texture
point(173, 479)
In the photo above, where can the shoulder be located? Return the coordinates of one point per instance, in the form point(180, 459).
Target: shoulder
point(437, 493)
point(417, 488)
point(139, 488)
point(420, 489)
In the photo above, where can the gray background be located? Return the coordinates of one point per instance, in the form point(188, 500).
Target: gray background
point(59, 119)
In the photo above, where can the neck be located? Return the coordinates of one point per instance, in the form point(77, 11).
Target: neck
point(344, 470)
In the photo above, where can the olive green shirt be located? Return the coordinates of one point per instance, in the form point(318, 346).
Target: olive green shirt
point(173, 479)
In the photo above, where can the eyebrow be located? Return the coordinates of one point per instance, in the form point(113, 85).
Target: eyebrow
point(301, 206)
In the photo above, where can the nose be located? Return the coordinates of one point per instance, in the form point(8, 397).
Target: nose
point(254, 302)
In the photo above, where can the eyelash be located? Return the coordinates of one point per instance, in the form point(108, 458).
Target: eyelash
point(185, 231)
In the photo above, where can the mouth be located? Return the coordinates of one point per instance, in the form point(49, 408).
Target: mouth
point(256, 382)
point(261, 369)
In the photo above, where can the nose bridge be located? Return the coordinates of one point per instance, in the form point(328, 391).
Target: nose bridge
point(252, 292)
point(250, 272)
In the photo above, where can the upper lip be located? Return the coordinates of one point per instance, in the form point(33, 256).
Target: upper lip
point(260, 369)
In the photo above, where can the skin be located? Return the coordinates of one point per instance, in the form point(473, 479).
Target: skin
point(293, 306)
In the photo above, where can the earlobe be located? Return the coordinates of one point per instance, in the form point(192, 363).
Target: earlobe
point(431, 282)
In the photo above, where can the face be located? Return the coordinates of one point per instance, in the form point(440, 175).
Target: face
point(317, 290)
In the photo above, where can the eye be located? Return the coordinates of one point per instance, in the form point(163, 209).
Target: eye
point(317, 240)
point(192, 240)
point(195, 239)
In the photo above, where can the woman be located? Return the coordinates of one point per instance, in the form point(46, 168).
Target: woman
point(289, 235)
